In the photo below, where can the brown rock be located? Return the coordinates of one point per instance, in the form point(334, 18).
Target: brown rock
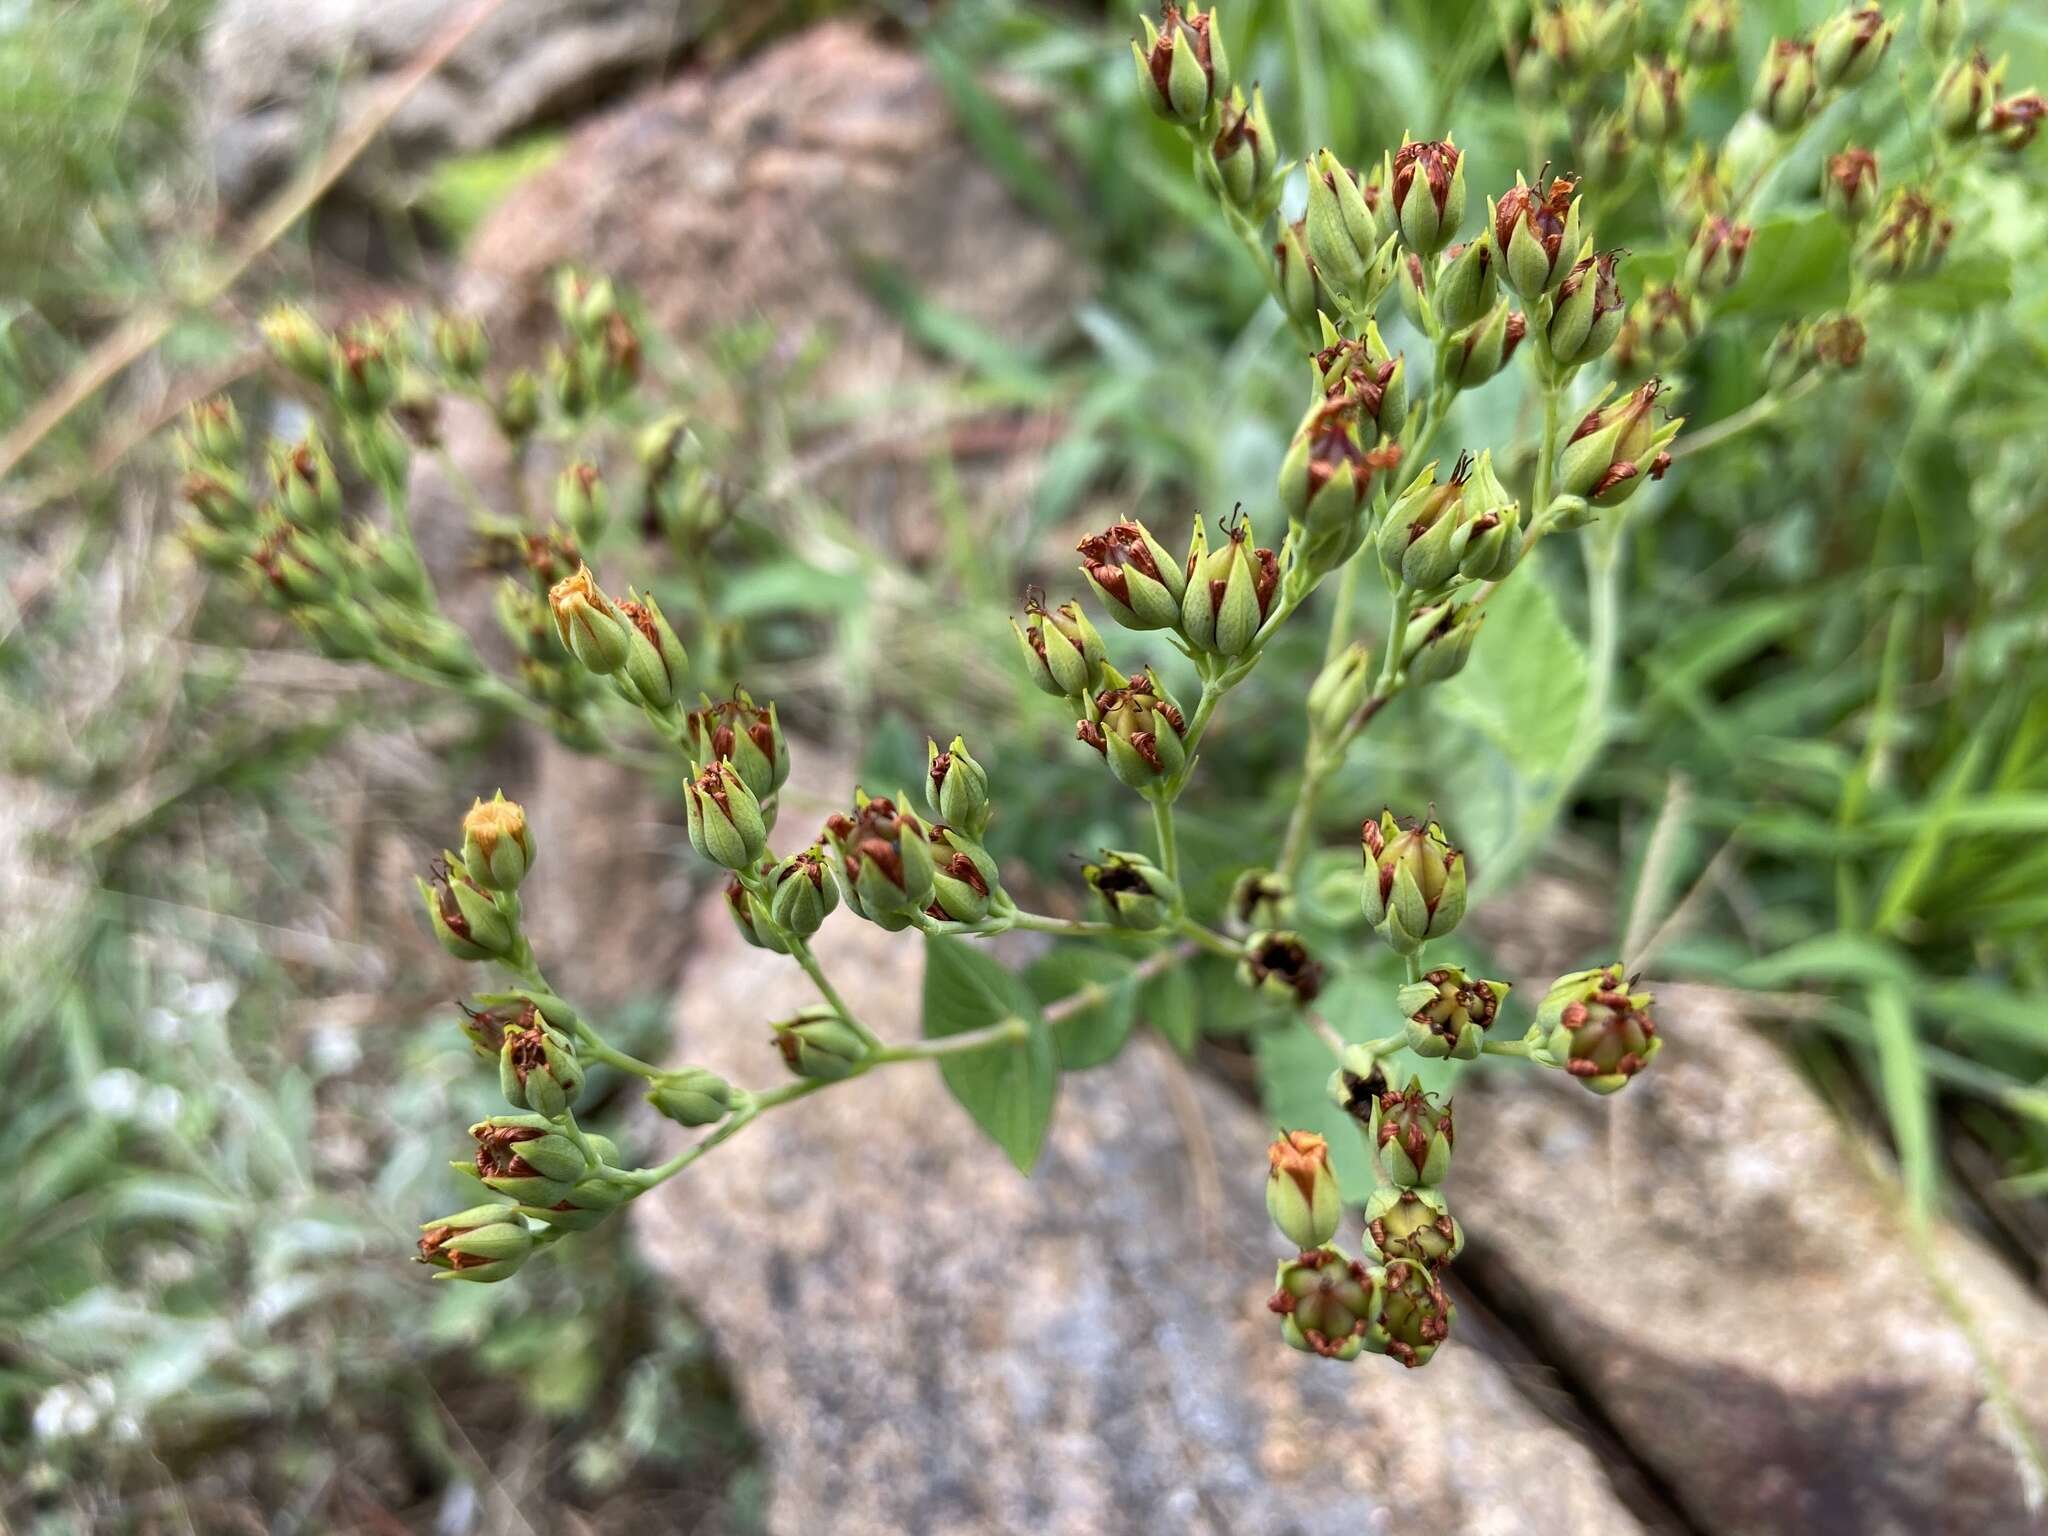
point(928, 1342)
point(1711, 1259)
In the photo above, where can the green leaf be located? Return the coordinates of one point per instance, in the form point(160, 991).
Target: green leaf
point(1798, 265)
point(1008, 1090)
point(1907, 1101)
point(1171, 1006)
point(1097, 1032)
point(1525, 682)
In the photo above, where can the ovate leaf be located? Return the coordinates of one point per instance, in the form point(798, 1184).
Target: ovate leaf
point(1093, 1034)
point(1008, 1090)
point(1525, 682)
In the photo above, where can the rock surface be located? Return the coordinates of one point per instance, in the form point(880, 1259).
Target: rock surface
point(282, 74)
point(927, 1342)
point(1712, 1260)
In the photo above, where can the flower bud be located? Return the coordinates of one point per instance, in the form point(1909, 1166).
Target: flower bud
point(725, 820)
point(1941, 23)
point(497, 848)
point(1849, 45)
point(1337, 692)
point(1838, 341)
point(818, 1044)
point(1471, 357)
point(1848, 185)
point(1414, 1135)
point(1297, 277)
point(220, 497)
point(213, 432)
point(1326, 480)
point(802, 892)
point(582, 502)
point(739, 732)
point(1243, 154)
point(1277, 964)
point(585, 1204)
point(306, 483)
point(754, 918)
point(1658, 93)
point(1706, 35)
point(299, 343)
point(537, 1065)
point(1229, 591)
point(1429, 194)
point(1438, 641)
point(524, 1157)
point(1610, 29)
point(1556, 52)
point(1465, 526)
point(1589, 310)
point(958, 794)
point(1787, 86)
point(1327, 1303)
point(1259, 899)
point(1357, 1084)
point(885, 858)
point(364, 377)
point(1138, 728)
point(1135, 893)
point(1449, 1013)
point(461, 346)
point(1062, 651)
point(1701, 190)
point(589, 623)
point(484, 1243)
point(1412, 1226)
point(219, 549)
point(1599, 1031)
point(1617, 446)
point(465, 919)
point(2016, 121)
point(1714, 260)
point(1662, 324)
point(965, 881)
point(1414, 881)
point(1608, 148)
point(1414, 1315)
point(1466, 287)
point(1348, 227)
point(517, 408)
point(379, 449)
point(1909, 239)
point(1138, 581)
point(1301, 1189)
point(656, 664)
point(1182, 70)
point(692, 1096)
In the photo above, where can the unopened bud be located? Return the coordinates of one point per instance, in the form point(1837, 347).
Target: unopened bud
point(1135, 893)
point(958, 792)
point(1348, 225)
point(1658, 94)
point(1473, 356)
point(965, 880)
point(1535, 232)
point(299, 343)
point(1301, 1189)
point(1449, 1012)
point(1849, 45)
point(589, 623)
point(213, 432)
point(1337, 692)
point(725, 820)
point(1062, 652)
point(1229, 590)
point(692, 1096)
point(1600, 1031)
point(1848, 185)
point(1589, 310)
point(1963, 96)
point(1428, 188)
point(753, 917)
point(461, 346)
point(1414, 1316)
point(1413, 1134)
point(802, 892)
point(2016, 121)
point(818, 1044)
point(465, 919)
point(484, 1243)
point(1467, 526)
point(1138, 728)
point(497, 848)
point(1327, 1303)
point(582, 502)
point(517, 407)
point(1706, 35)
point(885, 856)
point(1298, 278)
point(379, 449)
point(1412, 1225)
point(1259, 900)
point(1438, 641)
point(1183, 72)
point(1617, 447)
point(1787, 86)
point(736, 730)
point(1139, 582)
point(220, 496)
point(1941, 23)
point(1662, 324)
point(1714, 260)
point(1908, 240)
point(365, 378)
point(1414, 881)
point(1244, 155)
point(656, 664)
point(537, 1064)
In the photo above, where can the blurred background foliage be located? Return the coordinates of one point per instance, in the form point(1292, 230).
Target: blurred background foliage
point(1822, 773)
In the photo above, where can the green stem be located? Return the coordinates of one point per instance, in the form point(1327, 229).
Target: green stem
point(1169, 845)
point(1208, 938)
point(800, 951)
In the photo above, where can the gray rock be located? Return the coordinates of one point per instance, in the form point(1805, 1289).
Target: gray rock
point(282, 74)
point(927, 1342)
point(1712, 1260)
